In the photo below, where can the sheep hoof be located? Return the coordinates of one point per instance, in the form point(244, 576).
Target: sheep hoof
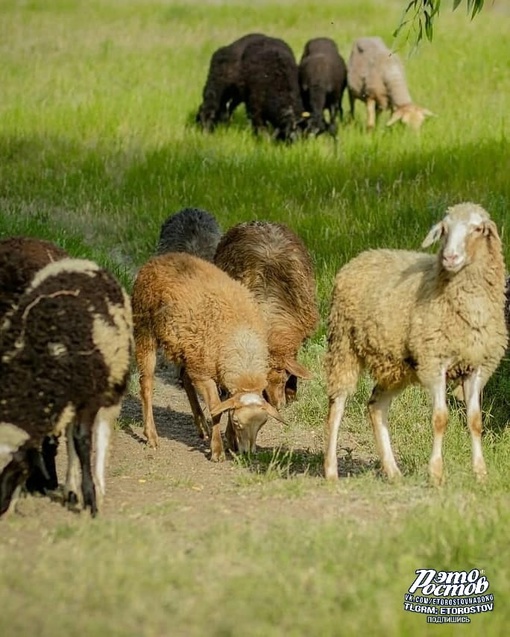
point(218, 456)
point(481, 474)
point(71, 499)
point(331, 473)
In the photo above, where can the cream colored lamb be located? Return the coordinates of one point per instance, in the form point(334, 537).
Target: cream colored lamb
point(375, 75)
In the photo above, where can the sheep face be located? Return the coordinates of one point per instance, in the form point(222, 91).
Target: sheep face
point(460, 232)
point(411, 115)
point(282, 383)
point(244, 425)
point(247, 413)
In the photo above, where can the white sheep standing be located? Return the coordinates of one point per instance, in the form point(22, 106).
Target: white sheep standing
point(410, 317)
point(65, 354)
point(211, 325)
point(375, 75)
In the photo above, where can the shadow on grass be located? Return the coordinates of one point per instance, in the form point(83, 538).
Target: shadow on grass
point(279, 462)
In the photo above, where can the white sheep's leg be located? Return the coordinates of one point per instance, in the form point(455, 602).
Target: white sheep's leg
point(472, 393)
point(378, 407)
point(73, 476)
point(439, 423)
point(146, 361)
point(102, 434)
point(209, 392)
point(203, 428)
point(371, 107)
point(336, 412)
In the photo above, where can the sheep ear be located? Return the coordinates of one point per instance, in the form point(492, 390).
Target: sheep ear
point(396, 117)
point(273, 412)
point(230, 403)
point(434, 235)
point(296, 369)
point(490, 229)
point(428, 113)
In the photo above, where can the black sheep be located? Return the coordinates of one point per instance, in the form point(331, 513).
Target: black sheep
point(322, 80)
point(223, 90)
point(190, 230)
point(272, 96)
point(65, 350)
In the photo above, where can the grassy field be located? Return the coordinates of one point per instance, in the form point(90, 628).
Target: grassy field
point(96, 150)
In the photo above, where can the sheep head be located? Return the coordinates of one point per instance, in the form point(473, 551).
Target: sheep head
point(411, 115)
point(247, 413)
point(460, 232)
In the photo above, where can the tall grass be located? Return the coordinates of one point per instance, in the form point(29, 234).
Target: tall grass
point(97, 148)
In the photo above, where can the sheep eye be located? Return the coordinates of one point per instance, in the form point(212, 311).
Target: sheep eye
point(479, 229)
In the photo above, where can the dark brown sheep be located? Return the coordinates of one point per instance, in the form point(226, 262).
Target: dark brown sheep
point(20, 259)
point(65, 350)
point(273, 262)
point(271, 88)
point(223, 90)
point(322, 80)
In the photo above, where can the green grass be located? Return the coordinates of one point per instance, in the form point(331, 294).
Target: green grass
point(96, 150)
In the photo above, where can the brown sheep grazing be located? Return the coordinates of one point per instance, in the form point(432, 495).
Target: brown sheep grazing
point(271, 89)
point(212, 326)
point(223, 90)
point(274, 264)
point(323, 80)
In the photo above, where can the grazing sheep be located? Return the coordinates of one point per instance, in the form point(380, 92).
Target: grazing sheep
point(272, 262)
point(411, 317)
point(65, 351)
point(190, 230)
point(223, 90)
point(211, 325)
point(20, 259)
point(322, 80)
point(271, 88)
point(376, 76)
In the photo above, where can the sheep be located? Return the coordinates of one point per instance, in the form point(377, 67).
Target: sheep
point(410, 317)
point(20, 259)
point(223, 90)
point(273, 262)
point(271, 89)
point(322, 80)
point(376, 76)
point(65, 348)
point(190, 230)
point(211, 325)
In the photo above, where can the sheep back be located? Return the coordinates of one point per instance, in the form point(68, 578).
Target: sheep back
point(223, 89)
point(190, 230)
point(73, 328)
point(272, 95)
point(273, 262)
point(20, 259)
point(376, 72)
point(203, 320)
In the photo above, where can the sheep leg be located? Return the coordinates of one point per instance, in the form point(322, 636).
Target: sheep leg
point(146, 361)
point(371, 108)
point(11, 480)
point(378, 407)
point(439, 423)
point(209, 392)
point(73, 472)
point(472, 391)
point(82, 435)
point(102, 434)
point(336, 411)
point(352, 99)
point(204, 431)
